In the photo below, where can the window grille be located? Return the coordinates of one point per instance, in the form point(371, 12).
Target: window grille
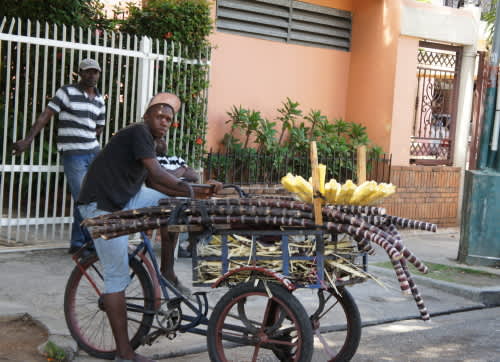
point(286, 21)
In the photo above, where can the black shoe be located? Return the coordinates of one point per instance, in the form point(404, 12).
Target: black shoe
point(183, 253)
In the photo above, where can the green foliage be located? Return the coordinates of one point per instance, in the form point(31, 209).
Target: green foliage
point(288, 115)
point(184, 21)
point(54, 352)
point(490, 17)
point(82, 13)
point(337, 141)
point(296, 133)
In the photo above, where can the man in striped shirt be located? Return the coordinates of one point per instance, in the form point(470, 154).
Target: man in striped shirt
point(81, 111)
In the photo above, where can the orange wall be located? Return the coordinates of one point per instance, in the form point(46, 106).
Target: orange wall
point(260, 74)
point(372, 70)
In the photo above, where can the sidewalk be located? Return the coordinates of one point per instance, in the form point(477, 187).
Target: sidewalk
point(33, 282)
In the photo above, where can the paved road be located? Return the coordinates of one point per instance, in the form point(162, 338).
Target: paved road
point(466, 336)
point(33, 282)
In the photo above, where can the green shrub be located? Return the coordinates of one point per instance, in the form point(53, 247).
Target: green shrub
point(283, 145)
point(185, 21)
point(82, 13)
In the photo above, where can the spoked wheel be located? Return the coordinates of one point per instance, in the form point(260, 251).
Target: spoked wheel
point(251, 323)
point(341, 329)
point(85, 314)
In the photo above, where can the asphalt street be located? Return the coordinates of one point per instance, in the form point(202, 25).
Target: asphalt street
point(462, 328)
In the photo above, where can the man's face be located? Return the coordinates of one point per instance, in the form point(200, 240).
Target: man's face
point(159, 118)
point(89, 77)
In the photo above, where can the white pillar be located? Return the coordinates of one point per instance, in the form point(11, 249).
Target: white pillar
point(464, 114)
point(145, 76)
point(464, 106)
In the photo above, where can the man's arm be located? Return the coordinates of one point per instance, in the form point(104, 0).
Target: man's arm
point(42, 120)
point(162, 180)
point(98, 131)
point(186, 172)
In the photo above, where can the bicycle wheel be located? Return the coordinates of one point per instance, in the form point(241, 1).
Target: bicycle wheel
point(342, 335)
point(259, 325)
point(84, 310)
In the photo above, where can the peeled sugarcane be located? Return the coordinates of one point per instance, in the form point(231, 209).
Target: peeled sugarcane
point(333, 193)
point(381, 191)
point(345, 192)
point(362, 192)
point(331, 189)
point(298, 186)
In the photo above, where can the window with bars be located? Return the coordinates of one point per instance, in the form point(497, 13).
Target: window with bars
point(286, 21)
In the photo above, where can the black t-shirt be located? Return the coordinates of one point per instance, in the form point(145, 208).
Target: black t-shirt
point(117, 173)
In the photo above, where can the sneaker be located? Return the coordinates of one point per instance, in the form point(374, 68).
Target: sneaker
point(185, 291)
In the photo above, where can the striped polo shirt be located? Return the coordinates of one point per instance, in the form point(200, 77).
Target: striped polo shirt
point(78, 118)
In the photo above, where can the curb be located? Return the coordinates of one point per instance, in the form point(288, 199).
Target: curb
point(489, 296)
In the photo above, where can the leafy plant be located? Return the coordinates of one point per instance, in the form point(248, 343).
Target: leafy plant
point(288, 115)
point(337, 142)
point(54, 352)
point(82, 13)
point(185, 21)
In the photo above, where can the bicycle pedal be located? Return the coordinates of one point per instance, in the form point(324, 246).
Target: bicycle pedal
point(174, 302)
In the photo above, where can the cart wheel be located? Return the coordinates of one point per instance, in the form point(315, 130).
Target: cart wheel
point(259, 326)
point(341, 337)
point(85, 315)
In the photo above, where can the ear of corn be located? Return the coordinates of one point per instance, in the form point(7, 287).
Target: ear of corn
point(349, 193)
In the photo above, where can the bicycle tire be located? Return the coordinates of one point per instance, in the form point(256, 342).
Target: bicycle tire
point(83, 308)
point(344, 339)
point(285, 330)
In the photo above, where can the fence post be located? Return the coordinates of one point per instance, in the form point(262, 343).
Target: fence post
point(318, 216)
point(361, 164)
point(145, 77)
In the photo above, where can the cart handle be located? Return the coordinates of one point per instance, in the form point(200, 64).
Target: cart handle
point(237, 188)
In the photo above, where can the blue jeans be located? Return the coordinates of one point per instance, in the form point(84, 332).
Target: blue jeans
point(113, 253)
point(75, 168)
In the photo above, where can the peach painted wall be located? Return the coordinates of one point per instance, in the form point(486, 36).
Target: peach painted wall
point(405, 92)
point(370, 95)
point(260, 74)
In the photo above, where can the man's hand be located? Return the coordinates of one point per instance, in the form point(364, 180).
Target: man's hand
point(218, 185)
point(21, 146)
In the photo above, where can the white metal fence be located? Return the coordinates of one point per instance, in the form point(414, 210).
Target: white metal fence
point(35, 60)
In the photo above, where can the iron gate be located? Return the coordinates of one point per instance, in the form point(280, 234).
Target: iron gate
point(433, 131)
point(35, 60)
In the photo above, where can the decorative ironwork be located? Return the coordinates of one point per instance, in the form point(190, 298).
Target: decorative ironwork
point(435, 107)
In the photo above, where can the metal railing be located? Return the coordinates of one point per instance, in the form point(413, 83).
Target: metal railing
point(35, 60)
point(246, 167)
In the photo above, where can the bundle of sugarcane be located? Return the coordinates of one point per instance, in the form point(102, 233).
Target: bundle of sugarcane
point(333, 192)
point(366, 225)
